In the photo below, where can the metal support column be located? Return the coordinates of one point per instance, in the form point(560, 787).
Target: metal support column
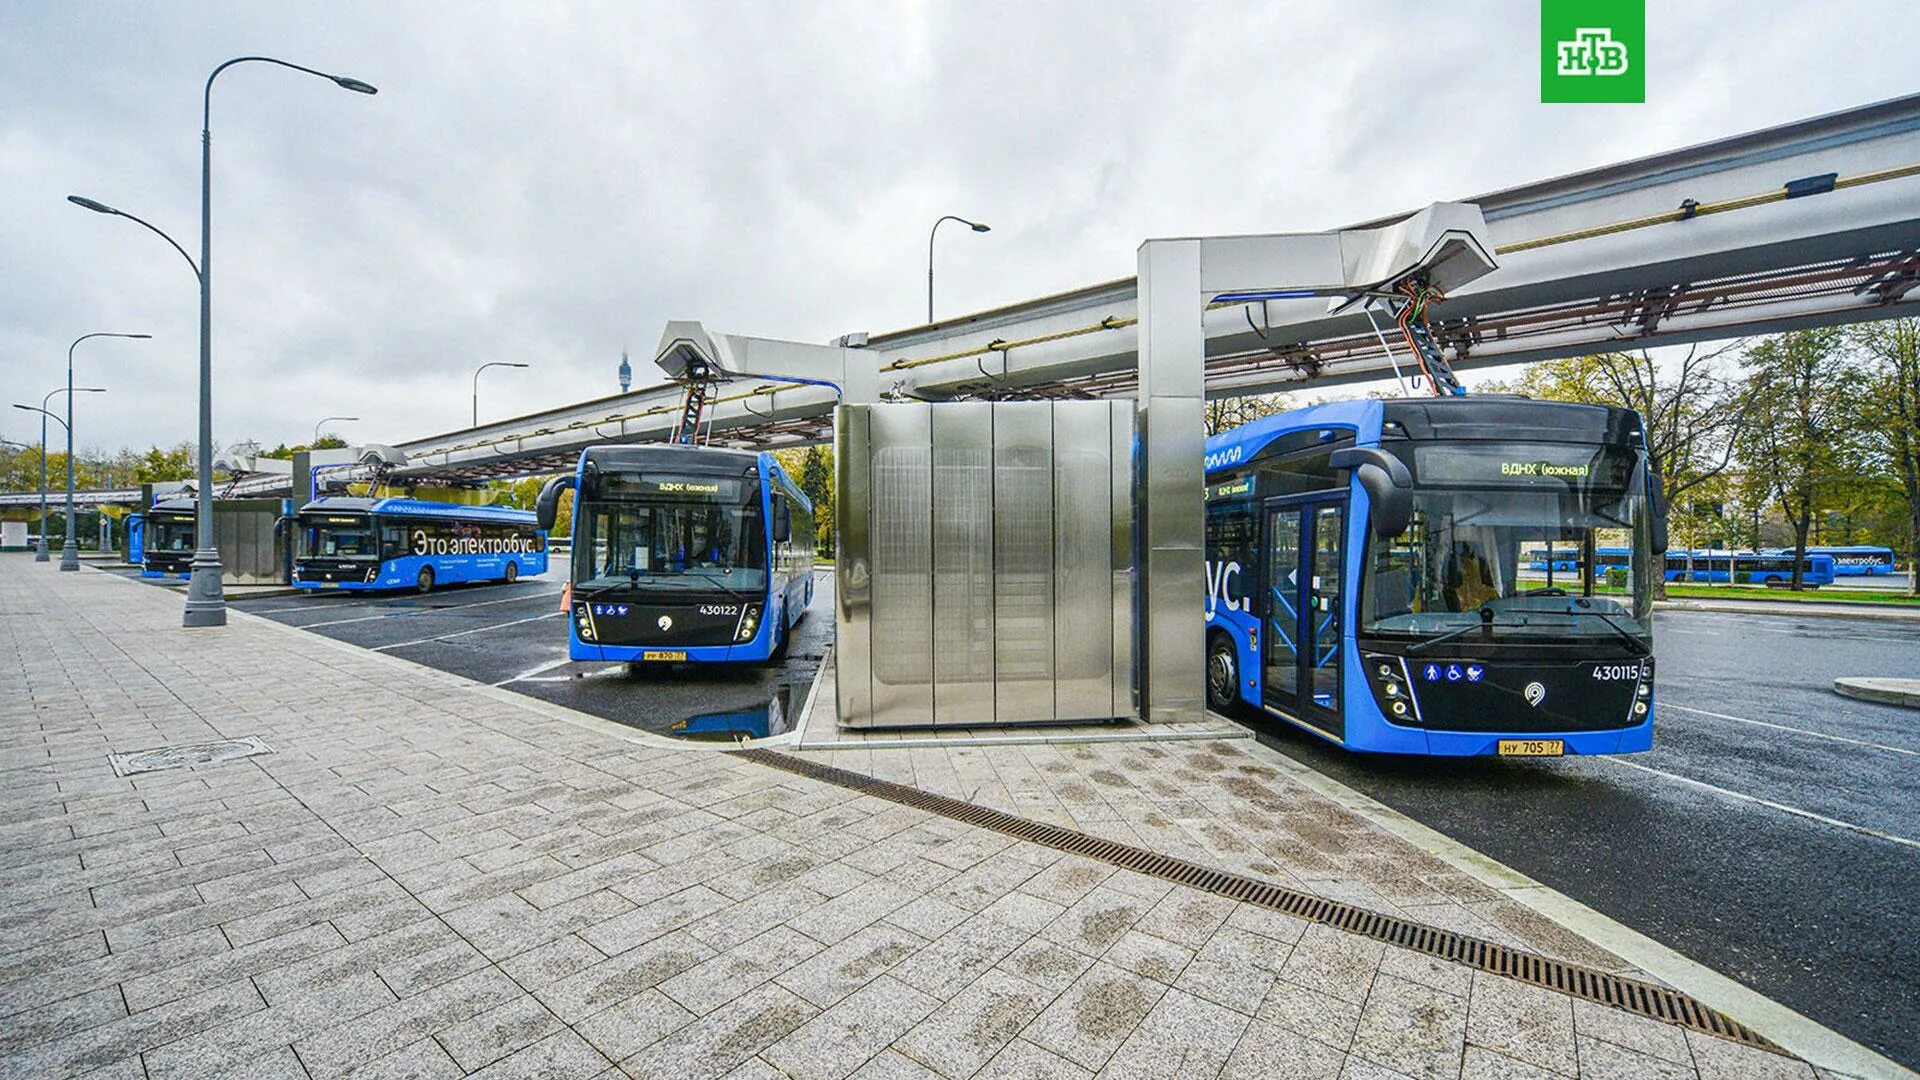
point(1172, 404)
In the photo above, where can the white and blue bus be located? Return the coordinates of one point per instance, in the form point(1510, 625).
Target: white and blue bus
point(1369, 578)
point(343, 542)
point(684, 554)
point(1853, 560)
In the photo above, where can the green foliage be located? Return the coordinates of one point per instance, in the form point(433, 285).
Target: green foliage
point(1617, 578)
point(158, 465)
point(1801, 440)
point(812, 469)
point(522, 494)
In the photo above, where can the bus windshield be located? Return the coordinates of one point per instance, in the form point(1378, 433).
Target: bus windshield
point(1535, 542)
point(339, 538)
point(169, 534)
point(704, 533)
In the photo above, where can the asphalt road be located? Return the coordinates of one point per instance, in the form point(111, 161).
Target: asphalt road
point(1773, 833)
point(515, 636)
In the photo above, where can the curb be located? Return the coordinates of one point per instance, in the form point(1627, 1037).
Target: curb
point(1902, 692)
point(1856, 610)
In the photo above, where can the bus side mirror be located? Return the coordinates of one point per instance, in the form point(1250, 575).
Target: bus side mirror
point(782, 521)
point(1657, 497)
point(1389, 486)
point(547, 507)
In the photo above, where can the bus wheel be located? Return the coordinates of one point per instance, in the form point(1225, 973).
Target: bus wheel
point(513, 572)
point(425, 580)
point(1223, 674)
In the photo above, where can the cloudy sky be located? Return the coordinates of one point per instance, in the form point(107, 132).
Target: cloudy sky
point(547, 183)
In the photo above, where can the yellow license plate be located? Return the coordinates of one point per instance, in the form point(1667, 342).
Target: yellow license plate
point(329, 584)
point(653, 654)
point(1532, 747)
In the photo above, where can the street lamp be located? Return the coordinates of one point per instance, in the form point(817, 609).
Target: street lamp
point(476, 384)
point(206, 606)
point(40, 551)
point(324, 422)
point(70, 552)
point(931, 233)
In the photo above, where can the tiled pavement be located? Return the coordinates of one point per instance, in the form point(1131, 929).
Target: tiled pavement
point(432, 879)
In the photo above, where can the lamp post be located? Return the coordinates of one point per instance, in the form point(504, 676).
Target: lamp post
point(931, 233)
point(476, 383)
point(206, 606)
point(40, 551)
point(324, 422)
point(70, 552)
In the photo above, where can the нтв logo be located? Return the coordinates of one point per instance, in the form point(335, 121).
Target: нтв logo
point(1593, 50)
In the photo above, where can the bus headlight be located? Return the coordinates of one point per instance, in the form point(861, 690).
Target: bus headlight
point(583, 622)
point(749, 623)
point(1393, 689)
point(1645, 690)
point(1399, 708)
point(1639, 708)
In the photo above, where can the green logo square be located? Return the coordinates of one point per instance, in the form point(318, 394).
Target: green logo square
point(1593, 50)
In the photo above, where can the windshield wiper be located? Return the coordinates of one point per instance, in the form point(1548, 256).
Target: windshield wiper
point(717, 583)
point(1485, 623)
point(1625, 633)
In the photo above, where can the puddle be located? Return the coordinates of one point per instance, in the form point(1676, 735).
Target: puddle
point(776, 717)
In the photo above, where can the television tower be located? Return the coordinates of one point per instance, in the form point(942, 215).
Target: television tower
point(626, 372)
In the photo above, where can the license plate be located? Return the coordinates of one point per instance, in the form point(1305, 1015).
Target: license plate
point(653, 654)
point(1532, 747)
point(329, 584)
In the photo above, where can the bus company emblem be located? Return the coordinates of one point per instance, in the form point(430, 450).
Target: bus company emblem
point(1535, 694)
point(666, 622)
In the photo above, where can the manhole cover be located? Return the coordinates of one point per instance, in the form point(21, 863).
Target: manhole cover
point(135, 762)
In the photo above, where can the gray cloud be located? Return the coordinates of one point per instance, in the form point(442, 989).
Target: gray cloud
point(545, 183)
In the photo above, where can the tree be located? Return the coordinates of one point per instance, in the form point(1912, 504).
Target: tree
point(1890, 416)
point(1797, 438)
point(812, 470)
point(1688, 408)
point(1225, 414)
point(160, 465)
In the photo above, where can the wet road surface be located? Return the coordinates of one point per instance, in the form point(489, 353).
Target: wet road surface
point(514, 636)
point(1772, 834)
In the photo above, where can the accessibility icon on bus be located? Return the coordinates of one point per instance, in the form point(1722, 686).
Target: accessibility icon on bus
point(1432, 672)
point(1453, 672)
point(1474, 671)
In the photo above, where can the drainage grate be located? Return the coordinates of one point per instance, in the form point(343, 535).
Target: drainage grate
point(135, 762)
point(1589, 984)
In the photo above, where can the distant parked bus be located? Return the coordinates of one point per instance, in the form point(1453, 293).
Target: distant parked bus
point(167, 540)
point(344, 542)
point(1854, 561)
point(684, 554)
point(1744, 567)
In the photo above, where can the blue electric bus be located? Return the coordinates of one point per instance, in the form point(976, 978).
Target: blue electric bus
point(167, 539)
point(1749, 567)
point(1742, 567)
point(1364, 567)
point(1854, 560)
point(343, 542)
point(683, 554)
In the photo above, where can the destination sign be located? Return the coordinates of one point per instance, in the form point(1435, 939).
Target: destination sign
point(1555, 466)
point(703, 488)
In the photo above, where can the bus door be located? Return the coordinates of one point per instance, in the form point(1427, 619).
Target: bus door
point(1304, 577)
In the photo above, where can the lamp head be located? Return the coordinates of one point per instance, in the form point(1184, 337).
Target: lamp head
point(93, 205)
point(977, 227)
point(144, 337)
point(89, 389)
point(355, 85)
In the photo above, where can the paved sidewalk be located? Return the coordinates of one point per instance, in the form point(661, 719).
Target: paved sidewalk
point(428, 878)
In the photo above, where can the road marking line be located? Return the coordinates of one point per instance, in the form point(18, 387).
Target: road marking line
point(428, 612)
point(1800, 1034)
point(1785, 727)
point(310, 607)
point(532, 671)
point(464, 633)
point(1780, 806)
